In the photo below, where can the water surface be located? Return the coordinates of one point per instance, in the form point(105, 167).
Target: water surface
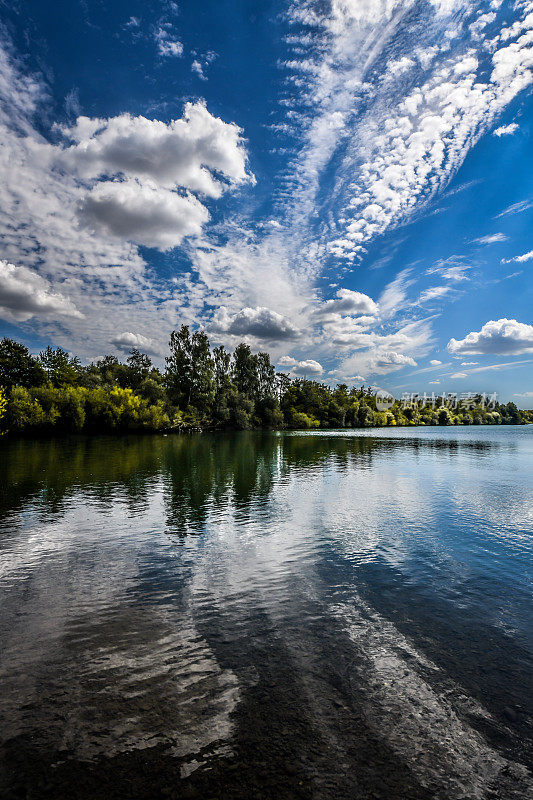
point(322, 615)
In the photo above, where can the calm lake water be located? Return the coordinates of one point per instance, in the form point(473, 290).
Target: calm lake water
point(322, 615)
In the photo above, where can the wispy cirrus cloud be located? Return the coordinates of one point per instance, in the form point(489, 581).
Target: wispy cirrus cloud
point(491, 238)
point(515, 208)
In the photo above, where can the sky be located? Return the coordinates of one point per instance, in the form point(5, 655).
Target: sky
point(346, 184)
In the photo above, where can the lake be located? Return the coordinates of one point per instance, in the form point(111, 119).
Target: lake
point(335, 614)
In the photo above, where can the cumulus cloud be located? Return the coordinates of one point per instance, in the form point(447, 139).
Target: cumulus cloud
point(154, 166)
point(496, 337)
point(143, 213)
point(25, 294)
point(520, 259)
point(260, 322)
point(128, 340)
point(46, 191)
point(386, 361)
point(506, 130)
point(349, 302)
point(459, 375)
point(199, 152)
point(308, 367)
point(435, 363)
point(375, 361)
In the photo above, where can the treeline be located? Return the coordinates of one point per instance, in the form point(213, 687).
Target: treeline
point(200, 388)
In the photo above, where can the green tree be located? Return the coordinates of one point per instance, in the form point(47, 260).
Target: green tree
point(178, 373)
point(139, 365)
point(224, 389)
point(245, 371)
point(202, 392)
point(18, 367)
point(61, 369)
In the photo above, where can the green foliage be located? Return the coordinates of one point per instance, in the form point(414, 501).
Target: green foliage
point(24, 413)
point(3, 405)
point(61, 369)
point(18, 367)
point(200, 388)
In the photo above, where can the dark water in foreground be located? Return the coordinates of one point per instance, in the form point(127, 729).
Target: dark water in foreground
point(329, 615)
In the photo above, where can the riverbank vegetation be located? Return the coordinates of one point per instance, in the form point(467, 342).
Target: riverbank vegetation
point(202, 388)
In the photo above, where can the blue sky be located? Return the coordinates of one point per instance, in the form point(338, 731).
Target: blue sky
point(346, 184)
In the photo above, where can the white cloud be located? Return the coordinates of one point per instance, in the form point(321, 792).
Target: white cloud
point(451, 269)
point(349, 302)
point(310, 367)
point(524, 394)
point(346, 330)
point(492, 238)
point(435, 363)
point(167, 44)
point(520, 259)
point(409, 150)
point(259, 322)
point(434, 383)
point(198, 69)
point(469, 363)
point(433, 293)
point(25, 294)
point(306, 367)
point(496, 337)
point(516, 208)
point(287, 361)
point(506, 130)
point(386, 361)
point(199, 152)
point(459, 375)
point(128, 340)
point(477, 27)
point(44, 185)
point(394, 296)
point(376, 360)
point(143, 213)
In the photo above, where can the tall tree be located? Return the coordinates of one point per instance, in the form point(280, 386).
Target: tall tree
point(266, 376)
point(139, 365)
point(222, 365)
point(62, 370)
point(178, 373)
point(244, 369)
point(202, 373)
point(18, 367)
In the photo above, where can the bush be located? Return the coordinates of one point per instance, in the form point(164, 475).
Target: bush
point(304, 421)
point(24, 412)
